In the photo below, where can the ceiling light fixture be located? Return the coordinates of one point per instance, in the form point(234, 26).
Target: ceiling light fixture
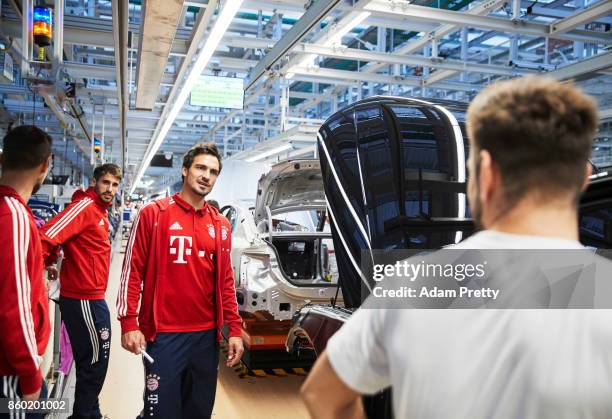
point(216, 34)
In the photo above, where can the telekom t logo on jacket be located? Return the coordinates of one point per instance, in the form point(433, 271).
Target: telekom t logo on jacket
point(182, 249)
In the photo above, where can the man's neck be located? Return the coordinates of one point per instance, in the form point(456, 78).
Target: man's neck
point(20, 182)
point(195, 200)
point(560, 221)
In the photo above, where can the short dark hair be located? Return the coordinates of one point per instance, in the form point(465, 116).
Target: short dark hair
point(538, 131)
point(25, 147)
point(107, 168)
point(201, 148)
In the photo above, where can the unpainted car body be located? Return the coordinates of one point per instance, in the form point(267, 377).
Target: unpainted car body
point(281, 254)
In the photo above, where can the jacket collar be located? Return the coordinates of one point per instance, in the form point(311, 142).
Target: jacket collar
point(187, 207)
point(93, 195)
point(8, 191)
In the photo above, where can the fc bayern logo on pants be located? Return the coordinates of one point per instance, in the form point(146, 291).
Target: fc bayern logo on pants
point(104, 334)
point(152, 382)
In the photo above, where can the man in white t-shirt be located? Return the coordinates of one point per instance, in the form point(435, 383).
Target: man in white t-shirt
point(530, 142)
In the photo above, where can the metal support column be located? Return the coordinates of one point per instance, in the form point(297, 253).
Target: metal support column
point(516, 15)
point(464, 52)
point(26, 35)
point(58, 33)
point(426, 70)
point(243, 130)
point(284, 104)
point(225, 141)
point(579, 46)
point(92, 156)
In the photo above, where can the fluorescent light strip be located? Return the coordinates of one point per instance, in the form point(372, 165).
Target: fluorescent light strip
point(216, 34)
point(269, 153)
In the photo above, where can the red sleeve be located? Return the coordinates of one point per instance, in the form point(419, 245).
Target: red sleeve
point(65, 225)
point(230, 306)
point(134, 267)
point(18, 339)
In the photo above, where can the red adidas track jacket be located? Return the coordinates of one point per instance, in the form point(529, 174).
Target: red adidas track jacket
point(144, 271)
point(82, 230)
point(24, 307)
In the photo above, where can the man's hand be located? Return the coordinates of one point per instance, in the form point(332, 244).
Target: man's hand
point(235, 351)
point(133, 341)
point(32, 396)
point(52, 273)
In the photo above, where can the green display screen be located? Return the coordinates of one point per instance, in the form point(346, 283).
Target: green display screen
point(218, 92)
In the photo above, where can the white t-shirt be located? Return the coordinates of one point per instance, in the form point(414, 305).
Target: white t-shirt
point(473, 364)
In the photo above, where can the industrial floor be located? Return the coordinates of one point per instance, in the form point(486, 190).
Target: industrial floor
point(267, 397)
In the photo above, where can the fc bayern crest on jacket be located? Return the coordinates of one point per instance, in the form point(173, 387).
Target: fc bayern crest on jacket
point(223, 233)
point(211, 230)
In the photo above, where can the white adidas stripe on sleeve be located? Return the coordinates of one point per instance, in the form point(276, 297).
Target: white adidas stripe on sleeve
point(68, 217)
point(21, 237)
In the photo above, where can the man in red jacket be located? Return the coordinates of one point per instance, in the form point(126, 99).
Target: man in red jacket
point(24, 308)
point(178, 254)
point(82, 230)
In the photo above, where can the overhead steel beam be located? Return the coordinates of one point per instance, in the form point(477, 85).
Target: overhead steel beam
point(411, 60)
point(603, 8)
point(98, 72)
point(343, 76)
point(401, 22)
point(482, 8)
point(585, 67)
point(120, 34)
point(251, 96)
point(315, 13)
point(302, 135)
point(559, 12)
point(461, 19)
point(159, 23)
point(280, 5)
point(438, 76)
point(322, 97)
point(247, 42)
point(605, 114)
point(81, 30)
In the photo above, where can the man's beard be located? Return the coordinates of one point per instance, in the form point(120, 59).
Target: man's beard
point(102, 196)
point(198, 192)
point(36, 187)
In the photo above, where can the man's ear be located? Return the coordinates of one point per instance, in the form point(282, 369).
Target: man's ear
point(44, 167)
point(486, 176)
point(184, 171)
point(587, 174)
